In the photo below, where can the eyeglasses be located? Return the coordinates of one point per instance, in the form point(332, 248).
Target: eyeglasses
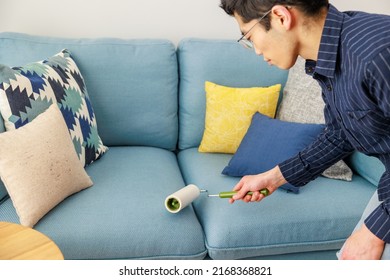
point(248, 43)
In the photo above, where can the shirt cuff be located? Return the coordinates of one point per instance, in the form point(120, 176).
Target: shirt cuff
point(378, 222)
point(295, 172)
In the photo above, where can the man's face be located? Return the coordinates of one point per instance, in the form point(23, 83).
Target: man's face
point(276, 45)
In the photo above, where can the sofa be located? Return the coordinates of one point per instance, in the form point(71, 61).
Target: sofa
point(149, 100)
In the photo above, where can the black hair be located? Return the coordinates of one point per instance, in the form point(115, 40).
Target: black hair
point(253, 9)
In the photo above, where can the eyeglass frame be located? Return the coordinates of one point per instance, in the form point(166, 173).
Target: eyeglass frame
point(248, 43)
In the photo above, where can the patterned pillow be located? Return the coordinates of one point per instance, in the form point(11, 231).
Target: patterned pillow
point(27, 91)
point(302, 102)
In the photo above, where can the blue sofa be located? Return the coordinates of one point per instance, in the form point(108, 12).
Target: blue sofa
point(149, 101)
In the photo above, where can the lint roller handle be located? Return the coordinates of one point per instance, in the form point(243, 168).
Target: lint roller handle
point(230, 194)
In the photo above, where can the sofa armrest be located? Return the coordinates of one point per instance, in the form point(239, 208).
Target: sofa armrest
point(370, 168)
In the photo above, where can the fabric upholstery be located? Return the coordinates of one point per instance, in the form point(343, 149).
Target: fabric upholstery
point(132, 83)
point(283, 223)
point(123, 215)
point(218, 61)
point(370, 168)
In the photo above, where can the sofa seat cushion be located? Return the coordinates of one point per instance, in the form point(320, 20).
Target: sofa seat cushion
point(319, 218)
point(123, 215)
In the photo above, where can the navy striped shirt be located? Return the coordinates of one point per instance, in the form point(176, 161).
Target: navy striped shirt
point(353, 70)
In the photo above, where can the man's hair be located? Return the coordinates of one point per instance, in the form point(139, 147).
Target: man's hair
point(253, 9)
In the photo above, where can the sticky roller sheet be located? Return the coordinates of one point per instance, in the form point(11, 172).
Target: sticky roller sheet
point(182, 198)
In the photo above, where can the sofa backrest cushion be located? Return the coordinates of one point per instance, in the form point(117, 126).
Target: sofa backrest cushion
point(132, 84)
point(223, 62)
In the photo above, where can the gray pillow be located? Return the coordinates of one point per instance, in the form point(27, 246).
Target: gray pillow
point(302, 102)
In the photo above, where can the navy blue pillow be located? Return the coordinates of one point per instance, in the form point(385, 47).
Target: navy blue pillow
point(269, 142)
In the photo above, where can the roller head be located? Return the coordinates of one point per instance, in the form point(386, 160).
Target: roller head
point(182, 198)
point(172, 204)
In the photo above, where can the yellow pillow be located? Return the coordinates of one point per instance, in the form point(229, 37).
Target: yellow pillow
point(229, 113)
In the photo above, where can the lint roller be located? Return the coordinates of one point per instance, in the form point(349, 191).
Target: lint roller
point(182, 198)
point(185, 196)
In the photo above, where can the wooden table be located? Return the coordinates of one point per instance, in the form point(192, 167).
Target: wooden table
point(24, 243)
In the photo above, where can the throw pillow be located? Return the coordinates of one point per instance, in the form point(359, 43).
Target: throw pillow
point(267, 143)
point(229, 112)
point(27, 91)
point(39, 166)
point(302, 102)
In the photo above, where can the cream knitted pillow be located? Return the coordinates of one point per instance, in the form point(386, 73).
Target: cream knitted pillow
point(39, 166)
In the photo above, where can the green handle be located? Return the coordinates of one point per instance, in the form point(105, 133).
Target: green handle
point(264, 192)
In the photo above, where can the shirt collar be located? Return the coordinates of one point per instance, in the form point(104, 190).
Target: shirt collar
point(327, 55)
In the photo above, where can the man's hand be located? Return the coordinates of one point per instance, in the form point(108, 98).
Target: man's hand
point(271, 180)
point(363, 245)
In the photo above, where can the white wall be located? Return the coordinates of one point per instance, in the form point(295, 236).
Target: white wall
point(168, 19)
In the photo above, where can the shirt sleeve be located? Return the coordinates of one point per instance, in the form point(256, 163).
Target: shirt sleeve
point(378, 82)
point(331, 146)
point(378, 222)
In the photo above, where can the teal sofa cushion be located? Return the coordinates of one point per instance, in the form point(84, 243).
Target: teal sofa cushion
point(132, 84)
point(217, 61)
point(123, 214)
point(318, 219)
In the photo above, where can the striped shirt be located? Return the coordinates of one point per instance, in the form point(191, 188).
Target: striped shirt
point(353, 70)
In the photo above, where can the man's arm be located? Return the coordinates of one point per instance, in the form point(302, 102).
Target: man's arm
point(331, 146)
point(378, 83)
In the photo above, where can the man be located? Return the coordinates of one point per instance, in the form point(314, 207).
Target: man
point(349, 55)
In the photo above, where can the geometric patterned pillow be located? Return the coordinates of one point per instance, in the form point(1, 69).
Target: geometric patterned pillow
point(27, 91)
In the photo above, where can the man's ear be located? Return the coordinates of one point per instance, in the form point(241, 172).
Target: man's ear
point(283, 16)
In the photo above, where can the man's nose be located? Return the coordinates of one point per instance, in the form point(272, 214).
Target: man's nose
point(257, 51)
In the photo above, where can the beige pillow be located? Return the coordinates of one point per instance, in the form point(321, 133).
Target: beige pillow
point(39, 166)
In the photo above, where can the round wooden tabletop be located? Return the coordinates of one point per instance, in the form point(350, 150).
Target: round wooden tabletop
point(24, 243)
